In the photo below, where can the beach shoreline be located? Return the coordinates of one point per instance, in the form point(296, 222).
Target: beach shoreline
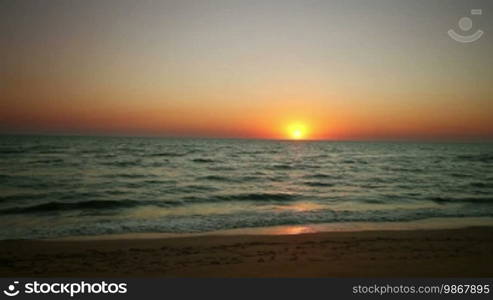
point(464, 252)
point(424, 224)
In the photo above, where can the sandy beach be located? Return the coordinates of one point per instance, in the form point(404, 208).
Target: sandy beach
point(424, 253)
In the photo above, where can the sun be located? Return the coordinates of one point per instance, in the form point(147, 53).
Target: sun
point(296, 131)
point(297, 134)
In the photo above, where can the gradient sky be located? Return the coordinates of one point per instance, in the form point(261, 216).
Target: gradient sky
point(352, 69)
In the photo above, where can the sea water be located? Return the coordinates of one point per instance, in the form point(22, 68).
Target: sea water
point(83, 186)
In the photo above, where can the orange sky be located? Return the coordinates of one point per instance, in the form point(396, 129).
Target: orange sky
point(245, 69)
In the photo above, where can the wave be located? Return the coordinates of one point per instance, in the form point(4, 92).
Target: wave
point(116, 204)
point(372, 201)
point(246, 219)
point(45, 149)
point(50, 195)
point(128, 175)
point(307, 166)
point(218, 178)
point(203, 160)
point(488, 185)
point(164, 182)
point(261, 197)
point(318, 184)
point(12, 151)
point(281, 167)
point(220, 168)
point(484, 157)
point(403, 169)
point(84, 205)
point(123, 164)
point(24, 196)
point(167, 154)
point(320, 175)
point(479, 200)
point(48, 161)
point(231, 179)
point(192, 189)
point(254, 197)
point(461, 175)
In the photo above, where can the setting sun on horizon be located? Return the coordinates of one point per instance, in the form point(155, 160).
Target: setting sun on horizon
point(297, 131)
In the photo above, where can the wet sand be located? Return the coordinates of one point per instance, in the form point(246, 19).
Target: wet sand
point(420, 253)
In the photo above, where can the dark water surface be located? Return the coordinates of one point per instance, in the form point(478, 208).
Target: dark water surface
point(66, 186)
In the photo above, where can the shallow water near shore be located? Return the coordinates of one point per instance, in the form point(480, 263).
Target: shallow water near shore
point(54, 187)
point(426, 224)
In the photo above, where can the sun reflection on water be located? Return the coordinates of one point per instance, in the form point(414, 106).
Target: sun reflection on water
point(292, 230)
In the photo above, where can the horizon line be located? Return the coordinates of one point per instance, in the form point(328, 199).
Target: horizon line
point(109, 135)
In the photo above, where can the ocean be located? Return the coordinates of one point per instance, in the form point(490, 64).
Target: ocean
point(52, 187)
